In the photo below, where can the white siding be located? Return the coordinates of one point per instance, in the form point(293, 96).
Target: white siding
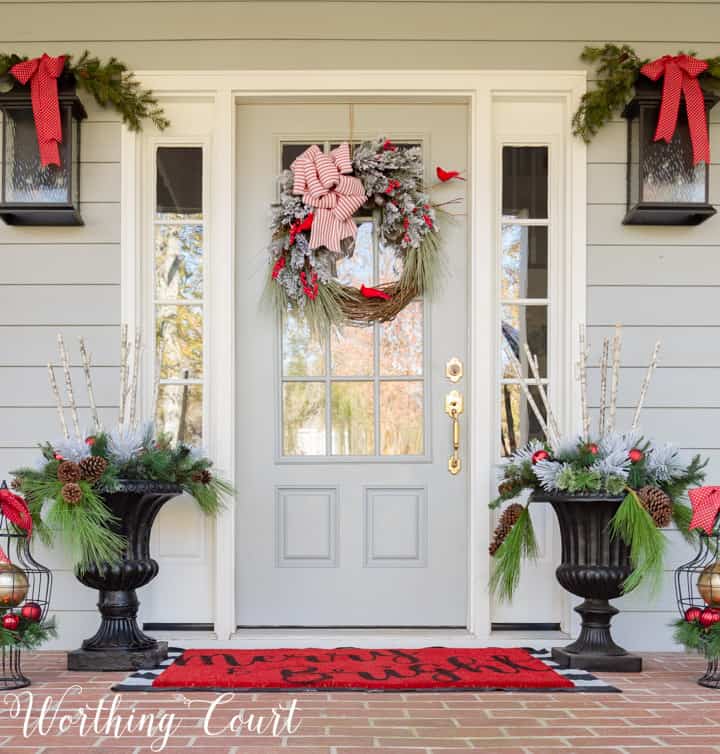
point(662, 283)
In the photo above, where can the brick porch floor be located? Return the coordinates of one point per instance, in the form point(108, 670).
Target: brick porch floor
point(661, 710)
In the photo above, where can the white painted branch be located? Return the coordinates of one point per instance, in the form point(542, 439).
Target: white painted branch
point(603, 385)
point(68, 386)
point(134, 381)
point(617, 348)
point(517, 369)
point(553, 429)
point(123, 373)
point(646, 384)
point(58, 401)
point(582, 377)
point(89, 383)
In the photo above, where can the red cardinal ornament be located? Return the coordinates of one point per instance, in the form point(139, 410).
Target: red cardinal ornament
point(636, 455)
point(692, 614)
point(374, 293)
point(11, 622)
point(31, 611)
point(709, 616)
point(540, 455)
point(447, 175)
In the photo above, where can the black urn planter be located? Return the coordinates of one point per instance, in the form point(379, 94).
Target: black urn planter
point(594, 566)
point(119, 643)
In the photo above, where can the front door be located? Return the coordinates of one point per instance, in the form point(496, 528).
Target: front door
point(347, 513)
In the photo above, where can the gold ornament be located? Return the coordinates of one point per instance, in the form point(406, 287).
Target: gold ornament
point(709, 584)
point(13, 585)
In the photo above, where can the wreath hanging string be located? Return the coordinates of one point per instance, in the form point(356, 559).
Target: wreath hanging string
point(313, 228)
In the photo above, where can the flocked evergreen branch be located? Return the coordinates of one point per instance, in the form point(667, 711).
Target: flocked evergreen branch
point(634, 525)
point(519, 544)
point(111, 84)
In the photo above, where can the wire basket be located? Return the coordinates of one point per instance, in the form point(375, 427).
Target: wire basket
point(697, 585)
point(25, 588)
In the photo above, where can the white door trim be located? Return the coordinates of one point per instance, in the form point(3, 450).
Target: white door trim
point(477, 89)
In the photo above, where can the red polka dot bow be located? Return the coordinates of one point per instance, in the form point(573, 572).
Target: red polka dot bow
point(680, 74)
point(15, 510)
point(705, 506)
point(43, 73)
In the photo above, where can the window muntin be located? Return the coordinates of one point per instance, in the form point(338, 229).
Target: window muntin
point(361, 392)
point(524, 232)
point(179, 243)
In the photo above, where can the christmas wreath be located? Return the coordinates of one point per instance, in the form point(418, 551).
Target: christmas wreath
point(618, 69)
point(313, 228)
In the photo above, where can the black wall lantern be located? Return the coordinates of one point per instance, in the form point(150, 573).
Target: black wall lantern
point(32, 194)
point(663, 185)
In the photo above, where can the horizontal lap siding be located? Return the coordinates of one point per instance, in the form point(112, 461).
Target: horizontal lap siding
point(662, 283)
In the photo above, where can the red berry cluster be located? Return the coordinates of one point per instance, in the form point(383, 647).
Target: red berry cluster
point(706, 618)
point(311, 289)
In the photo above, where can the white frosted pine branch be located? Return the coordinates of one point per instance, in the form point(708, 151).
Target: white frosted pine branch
point(616, 350)
point(646, 384)
point(68, 385)
point(58, 401)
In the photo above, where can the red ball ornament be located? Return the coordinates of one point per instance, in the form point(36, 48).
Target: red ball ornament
point(31, 611)
point(636, 455)
point(540, 455)
point(593, 448)
point(58, 457)
point(11, 622)
point(692, 614)
point(709, 616)
point(90, 441)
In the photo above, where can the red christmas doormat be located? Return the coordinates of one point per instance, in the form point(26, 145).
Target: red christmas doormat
point(359, 669)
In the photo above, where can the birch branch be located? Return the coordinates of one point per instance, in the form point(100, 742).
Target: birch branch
point(89, 383)
point(646, 384)
point(123, 373)
point(531, 401)
point(603, 386)
point(68, 386)
point(159, 353)
point(617, 348)
point(551, 421)
point(58, 401)
point(134, 381)
point(582, 378)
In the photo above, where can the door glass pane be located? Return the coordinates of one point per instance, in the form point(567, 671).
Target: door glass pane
point(179, 341)
point(525, 182)
point(290, 152)
point(520, 325)
point(519, 424)
point(352, 352)
point(401, 342)
point(524, 262)
point(357, 270)
point(353, 419)
point(179, 183)
point(178, 261)
point(303, 354)
point(401, 418)
point(179, 412)
point(304, 418)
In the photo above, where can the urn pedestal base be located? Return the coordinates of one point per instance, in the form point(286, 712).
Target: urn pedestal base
point(117, 659)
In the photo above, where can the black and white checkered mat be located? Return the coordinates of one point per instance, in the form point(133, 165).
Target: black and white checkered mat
point(142, 680)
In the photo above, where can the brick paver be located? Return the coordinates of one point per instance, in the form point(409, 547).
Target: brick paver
point(660, 710)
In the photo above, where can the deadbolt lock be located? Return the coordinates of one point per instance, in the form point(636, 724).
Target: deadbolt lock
point(454, 369)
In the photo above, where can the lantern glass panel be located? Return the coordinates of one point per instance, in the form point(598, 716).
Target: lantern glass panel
point(668, 173)
point(75, 183)
point(634, 157)
point(26, 180)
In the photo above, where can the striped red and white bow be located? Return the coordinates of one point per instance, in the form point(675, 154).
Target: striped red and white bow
point(43, 73)
point(680, 74)
point(705, 503)
point(323, 182)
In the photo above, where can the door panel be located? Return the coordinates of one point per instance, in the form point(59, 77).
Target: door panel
point(347, 514)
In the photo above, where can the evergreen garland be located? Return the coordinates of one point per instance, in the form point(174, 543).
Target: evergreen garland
point(692, 635)
point(110, 83)
point(29, 634)
point(618, 68)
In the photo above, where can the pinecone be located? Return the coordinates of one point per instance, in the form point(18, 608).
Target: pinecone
point(203, 477)
point(93, 467)
point(71, 493)
point(658, 504)
point(506, 487)
point(508, 519)
point(69, 471)
point(16, 484)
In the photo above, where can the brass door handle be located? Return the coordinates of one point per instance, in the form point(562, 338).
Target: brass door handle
point(453, 408)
